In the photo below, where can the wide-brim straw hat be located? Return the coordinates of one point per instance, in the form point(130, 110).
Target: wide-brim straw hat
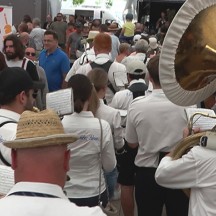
point(187, 61)
point(40, 129)
point(92, 35)
point(112, 27)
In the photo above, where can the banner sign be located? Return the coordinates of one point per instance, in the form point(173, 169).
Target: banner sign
point(5, 23)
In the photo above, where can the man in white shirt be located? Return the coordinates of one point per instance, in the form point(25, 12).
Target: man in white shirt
point(136, 71)
point(116, 71)
point(86, 57)
point(15, 55)
point(38, 181)
point(154, 125)
point(37, 34)
point(16, 95)
point(141, 48)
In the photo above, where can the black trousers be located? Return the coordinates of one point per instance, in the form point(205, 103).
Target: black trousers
point(151, 197)
point(91, 201)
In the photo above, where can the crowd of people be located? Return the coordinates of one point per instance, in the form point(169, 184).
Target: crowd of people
point(121, 128)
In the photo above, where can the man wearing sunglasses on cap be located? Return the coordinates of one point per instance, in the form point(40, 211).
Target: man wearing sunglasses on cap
point(17, 94)
point(30, 53)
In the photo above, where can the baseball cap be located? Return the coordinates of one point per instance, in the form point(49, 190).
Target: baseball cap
point(136, 67)
point(14, 80)
point(153, 43)
point(136, 38)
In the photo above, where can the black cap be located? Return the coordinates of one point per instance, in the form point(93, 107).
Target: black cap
point(14, 80)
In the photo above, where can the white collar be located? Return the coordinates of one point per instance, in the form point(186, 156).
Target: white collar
point(84, 114)
point(10, 115)
point(157, 91)
point(38, 187)
point(101, 101)
point(103, 55)
point(137, 81)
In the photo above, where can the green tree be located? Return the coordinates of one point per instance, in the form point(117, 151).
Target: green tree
point(109, 3)
point(98, 2)
point(77, 2)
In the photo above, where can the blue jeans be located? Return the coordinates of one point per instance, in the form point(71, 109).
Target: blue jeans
point(111, 181)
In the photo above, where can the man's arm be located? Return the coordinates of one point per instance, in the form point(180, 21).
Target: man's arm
point(65, 67)
point(68, 44)
point(181, 173)
point(64, 83)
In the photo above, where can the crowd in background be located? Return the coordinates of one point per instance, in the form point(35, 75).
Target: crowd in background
point(114, 73)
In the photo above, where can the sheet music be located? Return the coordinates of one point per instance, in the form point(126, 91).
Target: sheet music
point(202, 122)
point(61, 101)
point(6, 179)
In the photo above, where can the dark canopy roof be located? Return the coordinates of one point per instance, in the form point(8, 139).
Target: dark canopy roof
point(168, 1)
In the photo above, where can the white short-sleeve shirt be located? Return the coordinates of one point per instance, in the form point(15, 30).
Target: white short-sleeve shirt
point(26, 205)
point(7, 132)
point(84, 161)
point(195, 170)
point(156, 125)
point(112, 116)
point(117, 74)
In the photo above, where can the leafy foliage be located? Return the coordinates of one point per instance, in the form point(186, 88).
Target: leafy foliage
point(77, 2)
point(109, 3)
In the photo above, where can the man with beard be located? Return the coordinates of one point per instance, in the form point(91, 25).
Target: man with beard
point(15, 57)
point(17, 94)
point(15, 52)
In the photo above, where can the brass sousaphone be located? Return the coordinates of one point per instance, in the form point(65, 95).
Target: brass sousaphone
point(188, 60)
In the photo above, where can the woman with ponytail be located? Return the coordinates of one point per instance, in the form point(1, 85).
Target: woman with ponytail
point(84, 185)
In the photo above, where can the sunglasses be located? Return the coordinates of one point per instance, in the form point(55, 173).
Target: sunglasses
point(30, 54)
point(34, 94)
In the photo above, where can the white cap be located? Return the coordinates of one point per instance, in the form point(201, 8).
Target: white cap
point(136, 67)
point(153, 43)
point(136, 38)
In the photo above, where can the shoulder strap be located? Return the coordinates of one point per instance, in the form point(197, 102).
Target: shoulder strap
point(106, 66)
point(1, 156)
point(4, 160)
point(138, 89)
point(6, 122)
point(100, 161)
point(145, 60)
point(23, 63)
point(33, 194)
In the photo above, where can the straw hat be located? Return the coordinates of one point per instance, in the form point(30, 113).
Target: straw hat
point(91, 36)
point(112, 27)
point(187, 61)
point(40, 129)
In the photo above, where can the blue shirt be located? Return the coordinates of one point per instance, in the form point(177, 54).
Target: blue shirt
point(56, 65)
